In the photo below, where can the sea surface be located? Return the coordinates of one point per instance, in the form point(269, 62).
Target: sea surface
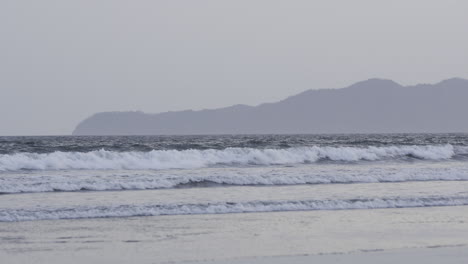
point(64, 177)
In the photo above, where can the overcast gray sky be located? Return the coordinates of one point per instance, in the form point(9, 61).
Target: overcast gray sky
point(61, 61)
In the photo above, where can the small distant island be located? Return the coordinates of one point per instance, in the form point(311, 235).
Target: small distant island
point(371, 106)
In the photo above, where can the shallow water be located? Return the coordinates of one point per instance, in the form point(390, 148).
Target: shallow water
point(179, 238)
point(157, 199)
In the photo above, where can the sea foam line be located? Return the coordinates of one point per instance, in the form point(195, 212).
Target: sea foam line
point(25, 183)
point(15, 215)
point(188, 159)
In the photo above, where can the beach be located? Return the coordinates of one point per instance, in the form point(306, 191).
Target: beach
point(342, 236)
point(233, 132)
point(234, 199)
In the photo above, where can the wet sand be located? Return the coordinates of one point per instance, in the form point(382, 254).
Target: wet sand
point(350, 236)
point(431, 255)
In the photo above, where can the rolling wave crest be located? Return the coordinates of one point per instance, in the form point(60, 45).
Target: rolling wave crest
point(187, 159)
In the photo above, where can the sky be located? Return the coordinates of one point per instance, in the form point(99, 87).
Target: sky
point(62, 61)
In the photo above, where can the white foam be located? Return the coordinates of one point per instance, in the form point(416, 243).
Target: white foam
point(319, 173)
point(12, 215)
point(189, 159)
point(304, 174)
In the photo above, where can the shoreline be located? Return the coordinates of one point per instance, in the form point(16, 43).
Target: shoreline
point(259, 238)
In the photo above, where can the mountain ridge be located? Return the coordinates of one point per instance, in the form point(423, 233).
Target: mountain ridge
point(371, 106)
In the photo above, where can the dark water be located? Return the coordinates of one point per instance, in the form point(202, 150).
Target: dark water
point(48, 144)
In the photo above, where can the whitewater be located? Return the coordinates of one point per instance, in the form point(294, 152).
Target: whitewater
point(44, 178)
point(192, 158)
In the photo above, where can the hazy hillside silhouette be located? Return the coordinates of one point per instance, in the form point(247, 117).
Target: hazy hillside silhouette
point(372, 106)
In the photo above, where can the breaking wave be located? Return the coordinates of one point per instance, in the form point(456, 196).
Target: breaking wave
point(188, 159)
point(14, 215)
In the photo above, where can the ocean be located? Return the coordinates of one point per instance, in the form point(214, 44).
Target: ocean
point(62, 191)
point(93, 177)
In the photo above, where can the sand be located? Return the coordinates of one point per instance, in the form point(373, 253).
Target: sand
point(432, 255)
point(407, 235)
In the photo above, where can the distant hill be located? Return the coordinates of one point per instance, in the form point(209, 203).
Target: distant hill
point(372, 106)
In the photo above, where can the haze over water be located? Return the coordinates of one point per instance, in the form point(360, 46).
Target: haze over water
point(228, 132)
